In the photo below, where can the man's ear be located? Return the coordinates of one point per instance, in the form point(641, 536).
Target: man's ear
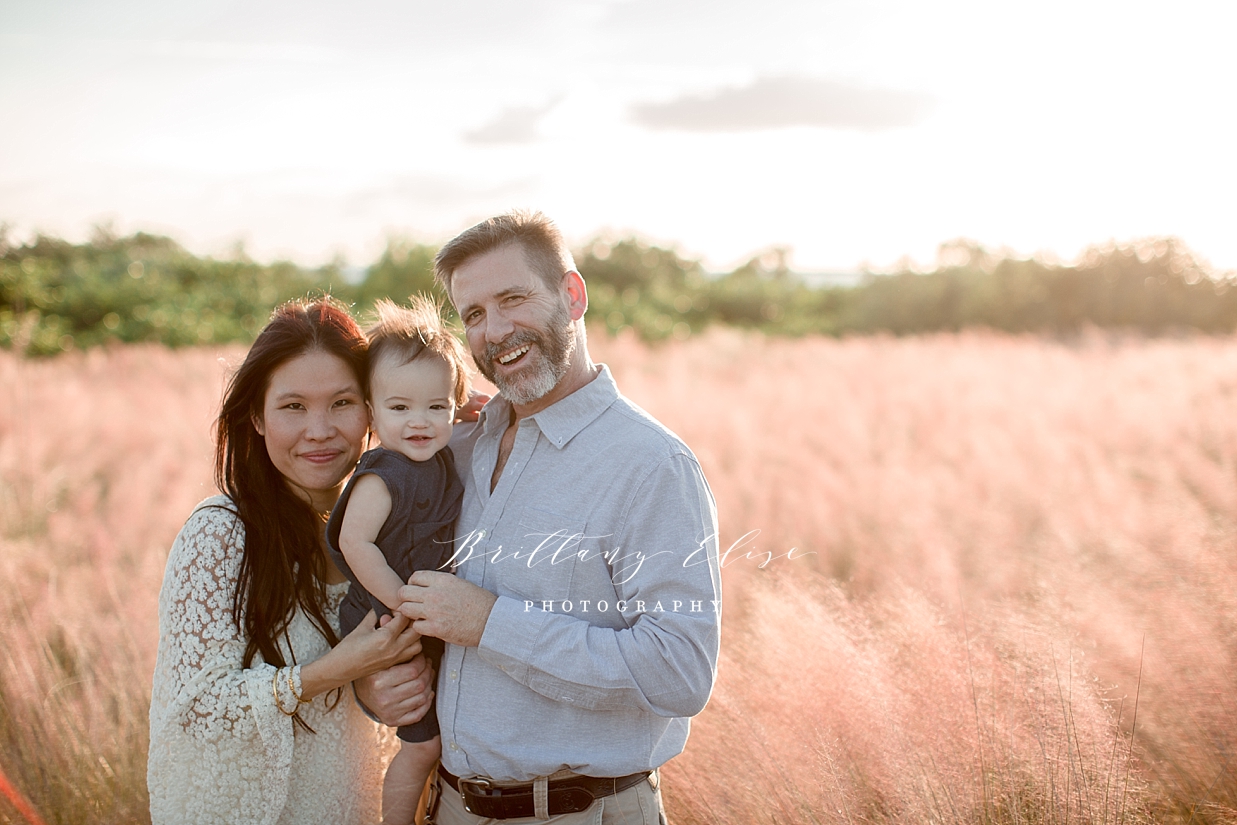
point(258, 424)
point(577, 294)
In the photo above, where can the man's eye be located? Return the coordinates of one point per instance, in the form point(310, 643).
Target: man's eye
point(343, 402)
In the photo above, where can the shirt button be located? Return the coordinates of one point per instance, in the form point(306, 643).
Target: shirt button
point(454, 746)
point(480, 534)
point(455, 674)
point(502, 667)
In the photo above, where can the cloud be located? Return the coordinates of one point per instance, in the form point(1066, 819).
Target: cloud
point(515, 125)
point(779, 102)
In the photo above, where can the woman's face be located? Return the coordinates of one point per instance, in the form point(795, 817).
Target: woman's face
point(314, 423)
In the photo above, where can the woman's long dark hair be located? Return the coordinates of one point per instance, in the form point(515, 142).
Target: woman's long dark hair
point(282, 564)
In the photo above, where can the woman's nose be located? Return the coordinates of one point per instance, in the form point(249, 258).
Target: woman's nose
point(319, 426)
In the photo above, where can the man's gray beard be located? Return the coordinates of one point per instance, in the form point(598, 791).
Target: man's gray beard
point(554, 347)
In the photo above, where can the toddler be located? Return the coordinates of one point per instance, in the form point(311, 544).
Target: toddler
point(398, 511)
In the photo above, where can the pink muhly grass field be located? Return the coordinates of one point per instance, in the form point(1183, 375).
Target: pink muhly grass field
point(973, 578)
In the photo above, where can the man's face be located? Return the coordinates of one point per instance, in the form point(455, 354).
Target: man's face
point(518, 329)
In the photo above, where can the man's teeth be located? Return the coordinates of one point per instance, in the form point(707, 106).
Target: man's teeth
point(514, 354)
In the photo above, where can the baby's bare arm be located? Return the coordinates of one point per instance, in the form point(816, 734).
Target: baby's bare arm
point(367, 510)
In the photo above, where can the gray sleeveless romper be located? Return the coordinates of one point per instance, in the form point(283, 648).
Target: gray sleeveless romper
point(417, 535)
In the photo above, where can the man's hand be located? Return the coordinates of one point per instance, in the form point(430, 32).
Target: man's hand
point(447, 607)
point(399, 695)
point(472, 408)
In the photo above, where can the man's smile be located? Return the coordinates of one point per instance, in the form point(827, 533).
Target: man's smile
point(509, 358)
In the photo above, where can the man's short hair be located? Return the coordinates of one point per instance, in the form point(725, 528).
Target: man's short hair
point(544, 248)
point(404, 334)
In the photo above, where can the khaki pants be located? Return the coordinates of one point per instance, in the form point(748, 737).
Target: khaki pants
point(638, 805)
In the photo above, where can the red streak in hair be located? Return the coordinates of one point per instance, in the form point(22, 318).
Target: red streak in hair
point(18, 801)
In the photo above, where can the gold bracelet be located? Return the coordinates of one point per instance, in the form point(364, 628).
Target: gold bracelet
point(300, 697)
point(275, 693)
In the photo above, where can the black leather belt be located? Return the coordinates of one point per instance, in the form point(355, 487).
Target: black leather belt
point(566, 796)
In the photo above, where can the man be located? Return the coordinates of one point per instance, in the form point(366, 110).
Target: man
point(584, 617)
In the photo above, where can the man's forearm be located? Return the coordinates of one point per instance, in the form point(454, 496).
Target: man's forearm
point(664, 663)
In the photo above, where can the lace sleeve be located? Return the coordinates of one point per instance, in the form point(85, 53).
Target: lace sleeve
point(220, 749)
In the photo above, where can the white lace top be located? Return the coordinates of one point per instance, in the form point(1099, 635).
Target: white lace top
point(220, 749)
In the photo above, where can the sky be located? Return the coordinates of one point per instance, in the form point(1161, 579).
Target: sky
point(854, 134)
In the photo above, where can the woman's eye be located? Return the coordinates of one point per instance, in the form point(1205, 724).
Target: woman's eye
point(294, 405)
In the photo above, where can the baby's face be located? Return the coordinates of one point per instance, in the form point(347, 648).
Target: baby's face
point(411, 406)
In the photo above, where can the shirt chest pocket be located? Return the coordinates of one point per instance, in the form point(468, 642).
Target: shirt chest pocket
point(546, 554)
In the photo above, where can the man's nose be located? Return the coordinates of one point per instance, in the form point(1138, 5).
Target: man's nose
point(498, 327)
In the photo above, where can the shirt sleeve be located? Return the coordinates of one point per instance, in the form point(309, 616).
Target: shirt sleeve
point(665, 660)
point(220, 749)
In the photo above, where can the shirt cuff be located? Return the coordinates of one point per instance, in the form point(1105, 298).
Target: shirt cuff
point(511, 634)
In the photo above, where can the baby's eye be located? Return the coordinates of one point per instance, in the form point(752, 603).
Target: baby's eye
point(438, 406)
point(399, 407)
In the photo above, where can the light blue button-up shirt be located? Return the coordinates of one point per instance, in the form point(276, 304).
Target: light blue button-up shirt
point(600, 541)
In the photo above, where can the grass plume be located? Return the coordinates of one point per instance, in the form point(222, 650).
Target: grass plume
point(971, 578)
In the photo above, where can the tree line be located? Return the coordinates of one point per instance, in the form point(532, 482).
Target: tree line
point(57, 296)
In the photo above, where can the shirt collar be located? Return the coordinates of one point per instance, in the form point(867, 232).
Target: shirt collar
point(564, 419)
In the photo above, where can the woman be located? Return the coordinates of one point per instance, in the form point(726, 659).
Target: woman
point(251, 718)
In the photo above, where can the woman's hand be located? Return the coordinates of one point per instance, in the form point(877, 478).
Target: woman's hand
point(367, 649)
point(381, 646)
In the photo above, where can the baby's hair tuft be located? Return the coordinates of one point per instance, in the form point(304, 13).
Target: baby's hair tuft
point(407, 333)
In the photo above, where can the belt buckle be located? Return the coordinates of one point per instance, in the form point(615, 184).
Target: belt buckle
point(477, 786)
point(482, 785)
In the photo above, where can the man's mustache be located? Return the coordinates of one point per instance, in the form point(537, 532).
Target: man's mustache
point(512, 341)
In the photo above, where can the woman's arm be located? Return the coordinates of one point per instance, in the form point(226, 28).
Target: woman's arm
point(220, 749)
point(202, 649)
point(221, 736)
